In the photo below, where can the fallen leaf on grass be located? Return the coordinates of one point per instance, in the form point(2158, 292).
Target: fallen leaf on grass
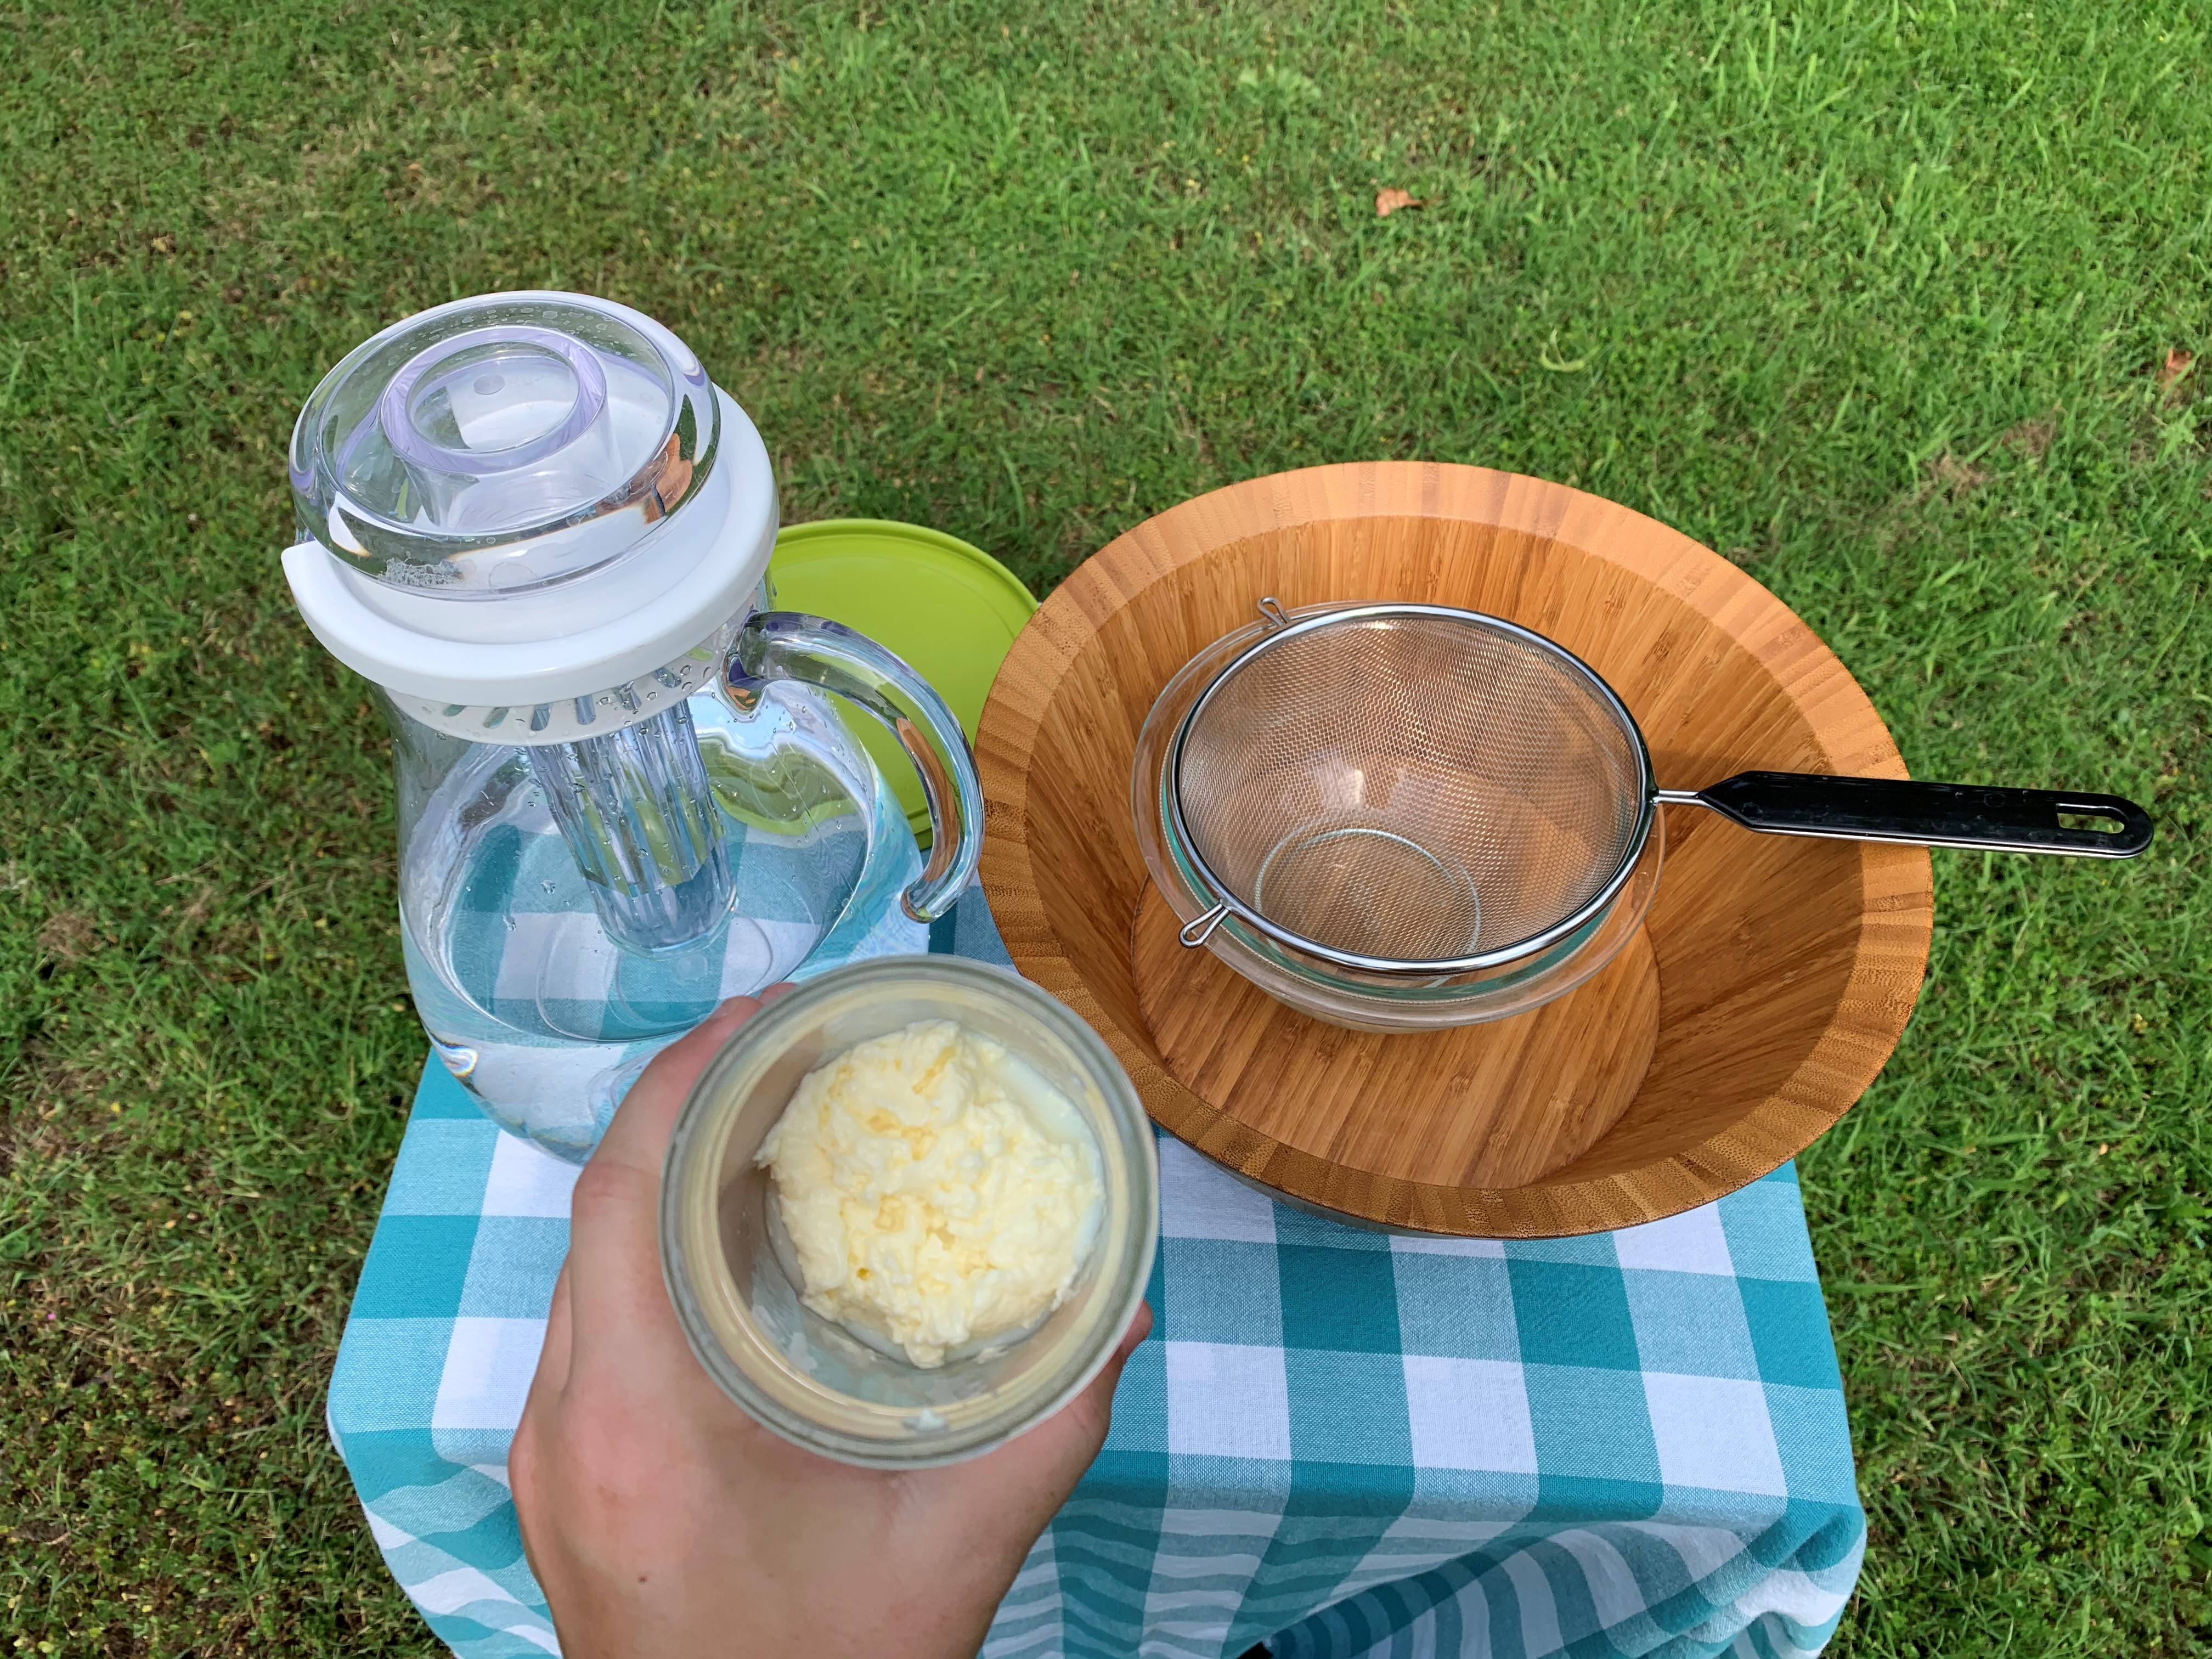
point(2175, 368)
point(1387, 202)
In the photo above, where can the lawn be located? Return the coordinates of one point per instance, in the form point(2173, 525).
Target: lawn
point(1896, 306)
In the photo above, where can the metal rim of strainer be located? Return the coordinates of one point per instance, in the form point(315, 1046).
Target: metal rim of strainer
point(1315, 621)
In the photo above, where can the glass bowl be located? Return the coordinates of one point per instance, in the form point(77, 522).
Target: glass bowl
point(807, 1378)
point(1344, 996)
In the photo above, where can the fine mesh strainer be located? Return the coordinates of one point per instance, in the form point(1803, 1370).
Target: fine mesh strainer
point(1412, 789)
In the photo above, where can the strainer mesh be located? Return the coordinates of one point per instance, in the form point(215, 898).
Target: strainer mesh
point(1409, 786)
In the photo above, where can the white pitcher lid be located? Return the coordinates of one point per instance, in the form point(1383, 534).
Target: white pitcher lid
point(561, 461)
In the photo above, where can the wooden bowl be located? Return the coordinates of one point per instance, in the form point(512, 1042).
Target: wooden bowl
point(1775, 973)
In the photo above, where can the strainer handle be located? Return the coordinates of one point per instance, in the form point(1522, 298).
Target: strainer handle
point(1927, 814)
point(1199, 929)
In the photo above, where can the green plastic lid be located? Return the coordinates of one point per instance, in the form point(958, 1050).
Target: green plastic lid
point(950, 610)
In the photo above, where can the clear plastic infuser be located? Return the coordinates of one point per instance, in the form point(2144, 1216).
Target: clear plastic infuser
point(532, 522)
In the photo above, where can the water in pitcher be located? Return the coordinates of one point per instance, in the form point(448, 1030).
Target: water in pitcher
point(541, 1015)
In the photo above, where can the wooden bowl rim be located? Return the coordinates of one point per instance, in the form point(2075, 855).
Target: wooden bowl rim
point(1897, 881)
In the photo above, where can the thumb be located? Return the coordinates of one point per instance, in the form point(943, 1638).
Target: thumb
point(637, 1137)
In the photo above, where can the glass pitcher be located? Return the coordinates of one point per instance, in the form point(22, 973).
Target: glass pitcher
point(535, 526)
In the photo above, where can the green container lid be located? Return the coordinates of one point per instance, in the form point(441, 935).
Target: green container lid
point(950, 610)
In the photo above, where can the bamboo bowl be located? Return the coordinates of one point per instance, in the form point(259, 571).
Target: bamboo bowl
point(1774, 974)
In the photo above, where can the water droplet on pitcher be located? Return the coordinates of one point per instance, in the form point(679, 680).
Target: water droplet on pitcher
point(457, 1059)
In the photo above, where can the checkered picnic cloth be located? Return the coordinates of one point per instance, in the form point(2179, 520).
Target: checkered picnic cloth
point(1346, 1444)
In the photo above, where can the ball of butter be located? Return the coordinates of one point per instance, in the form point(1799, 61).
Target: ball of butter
point(937, 1191)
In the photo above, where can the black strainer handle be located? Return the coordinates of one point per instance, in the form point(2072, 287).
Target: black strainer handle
point(1927, 814)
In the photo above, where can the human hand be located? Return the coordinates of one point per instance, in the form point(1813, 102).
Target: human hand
point(663, 1522)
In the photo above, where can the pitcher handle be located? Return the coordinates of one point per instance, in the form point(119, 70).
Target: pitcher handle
point(788, 645)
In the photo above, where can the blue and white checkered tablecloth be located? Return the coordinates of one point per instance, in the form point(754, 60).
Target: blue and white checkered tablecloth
point(1345, 1444)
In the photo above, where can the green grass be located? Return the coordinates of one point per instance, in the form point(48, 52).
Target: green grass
point(1868, 296)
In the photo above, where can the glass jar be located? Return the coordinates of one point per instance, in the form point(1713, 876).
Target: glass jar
point(808, 1378)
